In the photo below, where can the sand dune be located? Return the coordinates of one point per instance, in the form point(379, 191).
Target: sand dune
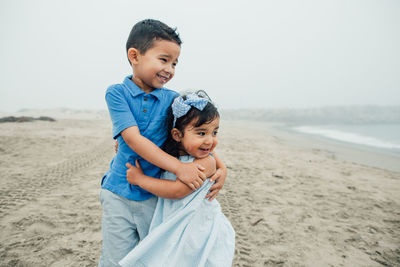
point(289, 205)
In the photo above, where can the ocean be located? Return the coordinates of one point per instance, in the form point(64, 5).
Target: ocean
point(377, 137)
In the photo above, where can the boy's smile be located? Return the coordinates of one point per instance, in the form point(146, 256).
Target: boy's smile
point(156, 66)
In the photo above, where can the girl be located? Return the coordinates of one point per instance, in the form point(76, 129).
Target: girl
point(190, 231)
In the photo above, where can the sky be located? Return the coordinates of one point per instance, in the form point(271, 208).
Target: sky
point(244, 54)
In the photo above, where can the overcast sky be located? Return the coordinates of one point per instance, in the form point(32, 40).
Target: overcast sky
point(245, 54)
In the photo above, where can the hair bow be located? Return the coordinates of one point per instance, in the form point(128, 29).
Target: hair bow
point(180, 107)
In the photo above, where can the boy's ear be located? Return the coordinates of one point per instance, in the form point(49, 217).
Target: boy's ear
point(176, 135)
point(133, 55)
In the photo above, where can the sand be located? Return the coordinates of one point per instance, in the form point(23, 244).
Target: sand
point(290, 204)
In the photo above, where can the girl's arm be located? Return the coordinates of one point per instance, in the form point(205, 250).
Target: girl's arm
point(164, 188)
point(219, 178)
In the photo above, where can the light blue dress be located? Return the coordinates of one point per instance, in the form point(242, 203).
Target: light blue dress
point(191, 231)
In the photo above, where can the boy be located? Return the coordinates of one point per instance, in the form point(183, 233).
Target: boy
point(138, 109)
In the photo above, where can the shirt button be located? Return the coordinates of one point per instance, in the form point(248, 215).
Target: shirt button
point(144, 110)
point(145, 98)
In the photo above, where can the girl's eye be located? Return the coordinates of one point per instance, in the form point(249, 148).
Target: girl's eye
point(163, 59)
point(174, 64)
point(201, 133)
point(215, 133)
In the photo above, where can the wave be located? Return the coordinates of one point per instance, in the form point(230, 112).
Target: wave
point(348, 137)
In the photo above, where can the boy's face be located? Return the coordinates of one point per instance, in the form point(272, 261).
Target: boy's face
point(156, 66)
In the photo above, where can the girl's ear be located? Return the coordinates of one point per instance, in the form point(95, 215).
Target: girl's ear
point(133, 55)
point(176, 135)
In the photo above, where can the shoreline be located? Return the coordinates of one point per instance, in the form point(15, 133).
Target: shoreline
point(352, 153)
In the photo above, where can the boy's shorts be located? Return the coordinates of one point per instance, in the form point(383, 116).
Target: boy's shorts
point(125, 222)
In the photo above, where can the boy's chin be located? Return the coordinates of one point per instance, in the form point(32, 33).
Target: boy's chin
point(158, 86)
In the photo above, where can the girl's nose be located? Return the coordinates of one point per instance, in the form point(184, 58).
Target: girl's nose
point(208, 140)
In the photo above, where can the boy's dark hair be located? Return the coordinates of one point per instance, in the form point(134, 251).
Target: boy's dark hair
point(208, 114)
point(145, 32)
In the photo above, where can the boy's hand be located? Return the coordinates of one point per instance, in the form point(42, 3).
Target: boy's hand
point(191, 174)
point(219, 178)
point(134, 174)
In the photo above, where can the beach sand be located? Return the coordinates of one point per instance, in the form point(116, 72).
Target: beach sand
point(290, 202)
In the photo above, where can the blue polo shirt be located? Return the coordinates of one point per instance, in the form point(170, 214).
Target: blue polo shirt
point(131, 106)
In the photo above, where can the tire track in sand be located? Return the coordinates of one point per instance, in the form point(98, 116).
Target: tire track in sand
point(14, 194)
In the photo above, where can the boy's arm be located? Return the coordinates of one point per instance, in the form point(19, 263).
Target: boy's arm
point(190, 173)
point(219, 178)
point(160, 187)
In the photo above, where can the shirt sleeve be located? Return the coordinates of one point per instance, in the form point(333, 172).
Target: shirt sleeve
point(120, 112)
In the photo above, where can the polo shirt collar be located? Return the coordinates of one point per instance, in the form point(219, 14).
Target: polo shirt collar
point(135, 90)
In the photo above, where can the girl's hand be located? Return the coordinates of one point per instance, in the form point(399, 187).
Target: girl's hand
point(134, 174)
point(219, 178)
point(116, 147)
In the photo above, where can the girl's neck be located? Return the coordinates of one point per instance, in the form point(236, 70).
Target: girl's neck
point(183, 153)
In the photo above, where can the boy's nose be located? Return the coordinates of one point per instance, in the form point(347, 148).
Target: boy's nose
point(169, 69)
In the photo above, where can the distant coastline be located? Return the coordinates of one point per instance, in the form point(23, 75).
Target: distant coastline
point(369, 114)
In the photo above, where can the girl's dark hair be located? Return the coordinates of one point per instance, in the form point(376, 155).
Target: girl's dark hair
point(208, 114)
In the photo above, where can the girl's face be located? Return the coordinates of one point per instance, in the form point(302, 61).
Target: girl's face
point(198, 141)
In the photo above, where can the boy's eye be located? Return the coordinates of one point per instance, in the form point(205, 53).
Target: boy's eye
point(201, 133)
point(215, 133)
point(163, 59)
point(174, 64)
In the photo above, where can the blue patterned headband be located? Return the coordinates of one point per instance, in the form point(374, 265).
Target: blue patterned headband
point(180, 107)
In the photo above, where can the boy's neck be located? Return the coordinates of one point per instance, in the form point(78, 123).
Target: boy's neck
point(141, 85)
